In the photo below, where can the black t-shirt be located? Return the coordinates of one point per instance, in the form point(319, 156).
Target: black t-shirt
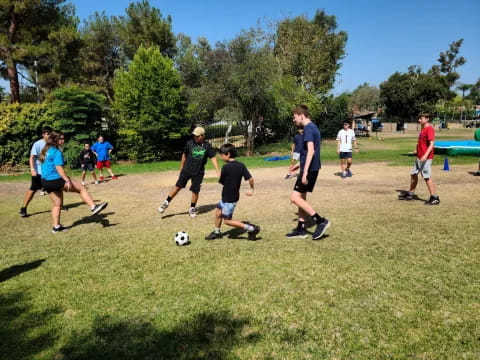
point(298, 141)
point(197, 156)
point(87, 157)
point(231, 179)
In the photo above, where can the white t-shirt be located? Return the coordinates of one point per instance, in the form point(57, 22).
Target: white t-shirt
point(36, 150)
point(346, 137)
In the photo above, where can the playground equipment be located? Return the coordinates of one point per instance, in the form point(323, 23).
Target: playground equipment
point(459, 147)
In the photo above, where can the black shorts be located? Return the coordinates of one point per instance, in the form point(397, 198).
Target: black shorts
point(88, 167)
point(304, 188)
point(36, 183)
point(53, 185)
point(346, 155)
point(196, 179)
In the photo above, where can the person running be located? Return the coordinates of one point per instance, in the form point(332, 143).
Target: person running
point(423, 162)
point(102, 150)
point(87, 162)
point(35, 170)
point(231, 179)
point(297, 146)
point(192, 167)
point(309, 167)
point(345, 137)
point(55, 181)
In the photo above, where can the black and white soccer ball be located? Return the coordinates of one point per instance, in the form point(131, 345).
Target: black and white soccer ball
point(182, 238)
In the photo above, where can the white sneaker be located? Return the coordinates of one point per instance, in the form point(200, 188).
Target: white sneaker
point(43, 193)
point(96, 182)
point(193, 212)
point(83, 183)
point(163, 207)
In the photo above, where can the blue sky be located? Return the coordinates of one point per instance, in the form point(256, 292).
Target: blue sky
point(384, 36)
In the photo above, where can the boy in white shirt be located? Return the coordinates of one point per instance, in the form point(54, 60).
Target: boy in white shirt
point(345, 137)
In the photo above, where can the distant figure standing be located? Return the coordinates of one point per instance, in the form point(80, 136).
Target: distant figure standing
point(297, 147)
point(102, 150)
point(87, 162)
point(345, 137)
point(405, 127)
point(35, 170)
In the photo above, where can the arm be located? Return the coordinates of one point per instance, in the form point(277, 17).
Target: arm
point(338, 146)
point(355, 144)
point(31, 161)
point(252, 187)
point(429, 150)
point(308, 161)
point(182, 161)
point(61, 172)
point(215, 165)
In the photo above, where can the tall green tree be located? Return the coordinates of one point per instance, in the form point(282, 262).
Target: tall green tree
point(449, 61)
point(150, 105)
point(365, 97)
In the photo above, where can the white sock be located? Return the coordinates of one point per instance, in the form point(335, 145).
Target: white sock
point(217, 230)
point(249, 227)
point(93, 207)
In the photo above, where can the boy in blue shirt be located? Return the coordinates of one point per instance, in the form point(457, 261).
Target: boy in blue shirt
point(102, 150)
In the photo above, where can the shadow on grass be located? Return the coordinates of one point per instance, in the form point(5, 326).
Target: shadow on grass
point(23, 332)
point(415, 196)
point(474, 173)
point(65, 208)
point(15, 270)
point(94, 219)
point(209, 335)
point(203, 209)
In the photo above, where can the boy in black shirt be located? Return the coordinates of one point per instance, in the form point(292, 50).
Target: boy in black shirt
point(192, 167)
point(231, 179)
point(87, 162)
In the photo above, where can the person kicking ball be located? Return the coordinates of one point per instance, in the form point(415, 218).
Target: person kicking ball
point(231, 179)
point(192, 167)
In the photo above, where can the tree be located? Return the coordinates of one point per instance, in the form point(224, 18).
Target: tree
point(150, 104)
point(311, 50)
point(474, 93)
point(463, 88)
point(449, 62)
point(365, 97)
point(39, 31)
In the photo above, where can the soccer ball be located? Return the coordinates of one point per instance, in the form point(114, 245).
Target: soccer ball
point(182, 238)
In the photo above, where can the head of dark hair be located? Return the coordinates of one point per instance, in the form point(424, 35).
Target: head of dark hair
point(228, 149)
point(302, 109)
point(46, 130)
point(52, 141)
point(427, 115)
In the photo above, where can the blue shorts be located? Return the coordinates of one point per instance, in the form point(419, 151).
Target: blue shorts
point(346, 155)
point(88, 167)
point(227, 209)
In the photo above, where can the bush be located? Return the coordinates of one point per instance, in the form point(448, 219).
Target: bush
point(20, 127)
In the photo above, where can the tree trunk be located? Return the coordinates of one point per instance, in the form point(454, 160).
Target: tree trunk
point(252, 130)
point(12, 72)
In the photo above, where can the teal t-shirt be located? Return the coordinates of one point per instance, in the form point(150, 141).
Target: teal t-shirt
point(53, 158)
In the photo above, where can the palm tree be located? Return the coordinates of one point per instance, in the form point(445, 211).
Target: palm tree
point(463, 88)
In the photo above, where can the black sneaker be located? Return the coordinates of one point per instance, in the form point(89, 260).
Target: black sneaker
point(214, 236)
point(321, 229)
point(349, 173)
point(434, 200)
point(297, 234)
point(476, 173)
point(58, 229)
point(23, 212)
point(406, 196)
point(99, 208)
point(252, 235)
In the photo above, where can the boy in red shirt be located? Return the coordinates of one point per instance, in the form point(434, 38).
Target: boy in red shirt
point(423, 162)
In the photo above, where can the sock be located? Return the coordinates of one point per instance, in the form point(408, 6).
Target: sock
point(169, 198)
point(93, 207)
point(217, 230)
point(192, 205)
point(301, 226)
point(317, 218)
point(248, 227)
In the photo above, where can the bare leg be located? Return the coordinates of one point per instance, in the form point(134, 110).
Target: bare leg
point(304, 208)
point(349, 163)
point(175, 190)
point(84, 173)
point(342, 165)
point(94, 176)
point(109, 169)
point(101, 172)
point(57, 201)
point(234, 223)
point(218, 218)
point(413, 182)
point(28, 197)
point(195, 197)
point(431, 186)
point(80, 189)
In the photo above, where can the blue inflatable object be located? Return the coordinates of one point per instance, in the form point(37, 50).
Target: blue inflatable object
point(458, 147)
point(277, 158)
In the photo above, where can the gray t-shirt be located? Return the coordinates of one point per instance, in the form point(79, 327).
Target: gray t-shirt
point(36, 150)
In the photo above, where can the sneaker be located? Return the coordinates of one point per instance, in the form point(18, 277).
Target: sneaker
point(344, 175)
point(213, 236)
point(163, 207)
point(99, 208)
point(23, 212)
point(43, 193)
point(406, 196)
point(96, 182)
point(433, 201)
point(58, 229)
point(101, 178)
point(349, 173)
point(114, 177)
point(288, 176)
point(193, 212)
point(297, 234)
point(83, 183)
point(321, 229)
point(476, 173)
point(252, 235)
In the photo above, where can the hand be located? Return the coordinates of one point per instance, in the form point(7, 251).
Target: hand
point(33, 172)
point(83, 165)
point(218, 174)
point(249, 193)
point(338, 151)
point(423, 158)
point(304, 179)
point(68, 184)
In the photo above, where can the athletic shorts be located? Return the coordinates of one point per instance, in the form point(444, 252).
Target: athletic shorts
point(104, 163)
point(296, 156)
point(88, 167)
point(36, 183)
point(304, 188)
point(422, 167)
point(227, 209)
point(53, 185)
point(346, 155)
point(196, 179)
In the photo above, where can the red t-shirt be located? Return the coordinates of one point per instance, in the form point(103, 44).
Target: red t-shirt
point(427, 135)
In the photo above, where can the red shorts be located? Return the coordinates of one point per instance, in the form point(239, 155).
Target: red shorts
point(102, 164)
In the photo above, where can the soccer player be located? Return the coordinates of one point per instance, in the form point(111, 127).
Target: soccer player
point(102, 150)
point(297, 146)
point(87, 162)
point(231, 179)
point(192, 167)
point(35, 170)
point(423, 162)
point(345, 137)
point(309, 168)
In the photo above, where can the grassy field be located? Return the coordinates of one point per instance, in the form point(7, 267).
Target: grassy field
point(392, 280)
